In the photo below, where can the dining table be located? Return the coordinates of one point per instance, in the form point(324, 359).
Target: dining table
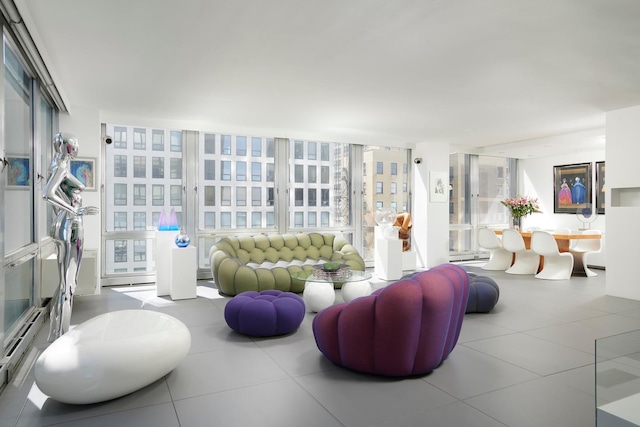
point(563, 239)
point(564, 242)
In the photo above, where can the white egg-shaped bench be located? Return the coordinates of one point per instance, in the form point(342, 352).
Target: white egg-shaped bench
point(111, 355)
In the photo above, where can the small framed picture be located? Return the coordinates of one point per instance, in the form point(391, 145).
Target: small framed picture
point(84, 170)
point(438, 187)
point(572, 187)
point(18, 172)
point(600, 187)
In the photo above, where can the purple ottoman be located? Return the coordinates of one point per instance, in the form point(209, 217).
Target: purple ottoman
point(483, 294)
point(264, 314)
point(406, 328)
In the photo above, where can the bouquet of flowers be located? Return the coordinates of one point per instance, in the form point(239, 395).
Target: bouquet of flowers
point(521, 206)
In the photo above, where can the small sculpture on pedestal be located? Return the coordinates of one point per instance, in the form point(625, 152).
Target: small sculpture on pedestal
point(403, 221)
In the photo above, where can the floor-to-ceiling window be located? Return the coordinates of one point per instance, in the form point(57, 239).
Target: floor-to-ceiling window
point(19, 259)
point(478, 184)
point(143, 180)
point(219, 184)
point(386, 184)
point(28, 122)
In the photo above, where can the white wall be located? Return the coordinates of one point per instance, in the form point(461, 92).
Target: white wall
point(535, 177)
point(623, 234)
point(430, 233)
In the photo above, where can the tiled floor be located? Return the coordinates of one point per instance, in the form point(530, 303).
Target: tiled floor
point(530, 362)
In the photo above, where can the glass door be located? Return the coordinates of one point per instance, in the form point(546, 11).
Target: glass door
point(478, 184)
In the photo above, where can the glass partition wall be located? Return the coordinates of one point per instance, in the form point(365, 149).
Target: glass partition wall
point(478, 184)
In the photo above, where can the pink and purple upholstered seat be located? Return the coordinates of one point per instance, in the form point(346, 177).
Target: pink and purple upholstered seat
point(406, 328)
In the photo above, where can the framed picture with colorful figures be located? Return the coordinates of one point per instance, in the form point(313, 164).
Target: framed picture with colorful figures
point(84, 170)
point(572, 187)
point(600, 188)
point(18, 172)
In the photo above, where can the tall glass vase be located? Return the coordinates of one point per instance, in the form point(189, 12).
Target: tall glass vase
point(515, 222)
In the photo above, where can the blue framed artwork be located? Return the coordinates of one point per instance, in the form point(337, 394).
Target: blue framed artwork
point(572, 188)
point(18, 172)
point(84, 170)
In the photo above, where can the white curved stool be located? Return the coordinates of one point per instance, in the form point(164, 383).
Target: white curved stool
point(355, 289)
point(318, 295)
point(111, 355)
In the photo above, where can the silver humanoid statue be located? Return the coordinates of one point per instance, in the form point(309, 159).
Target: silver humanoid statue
point(64, 192)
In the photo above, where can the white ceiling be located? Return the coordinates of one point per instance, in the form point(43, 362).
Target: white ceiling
point(501, 76)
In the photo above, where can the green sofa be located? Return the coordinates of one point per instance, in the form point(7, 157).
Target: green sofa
point(260, 262)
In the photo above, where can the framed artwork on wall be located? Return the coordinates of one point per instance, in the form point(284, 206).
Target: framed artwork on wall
point(600, 187)
point(84, 170)
point(438, 186)
point(18, 172)
point(572, 187)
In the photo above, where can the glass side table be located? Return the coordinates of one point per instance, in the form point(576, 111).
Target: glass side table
point(319, 292)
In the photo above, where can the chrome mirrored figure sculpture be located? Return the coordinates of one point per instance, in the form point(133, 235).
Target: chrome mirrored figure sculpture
point(64, 192)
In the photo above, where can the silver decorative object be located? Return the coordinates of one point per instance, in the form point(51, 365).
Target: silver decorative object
point(64, 192)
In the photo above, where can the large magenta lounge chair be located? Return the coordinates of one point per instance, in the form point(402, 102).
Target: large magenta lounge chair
point(407, 328)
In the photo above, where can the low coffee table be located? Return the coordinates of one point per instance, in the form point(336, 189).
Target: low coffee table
point(319, 293)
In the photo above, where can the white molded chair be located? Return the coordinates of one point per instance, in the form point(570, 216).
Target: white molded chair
point(499, 258)
point(557, 265)
point(564, 230)
point(581, 251)
point(527, 261)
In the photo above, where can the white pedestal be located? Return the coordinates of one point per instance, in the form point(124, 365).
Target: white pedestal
point(165, 242)
point(87, 276)
point(388, 256)
point(408, 260)
point(182, 275)
point(620, 413)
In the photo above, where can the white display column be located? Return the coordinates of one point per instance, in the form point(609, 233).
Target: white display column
point(182, 277)
point(388, 256)
point(165, 242)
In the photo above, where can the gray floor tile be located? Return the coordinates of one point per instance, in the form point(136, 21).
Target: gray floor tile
point(296, 354)
point(39, 410)
point(150, 416)
point(579, 378)
point(535, 354)
point(363, 400)
point(613, 324)
point(475, 328)
point(540, 402)
point(467, 373)
point(574, 335)
point(457, 414)
point(225, 369)
point(528, 362)
point(276, 404)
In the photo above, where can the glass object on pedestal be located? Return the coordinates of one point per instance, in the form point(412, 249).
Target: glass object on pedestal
point(385, 216)
point(182, 239)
